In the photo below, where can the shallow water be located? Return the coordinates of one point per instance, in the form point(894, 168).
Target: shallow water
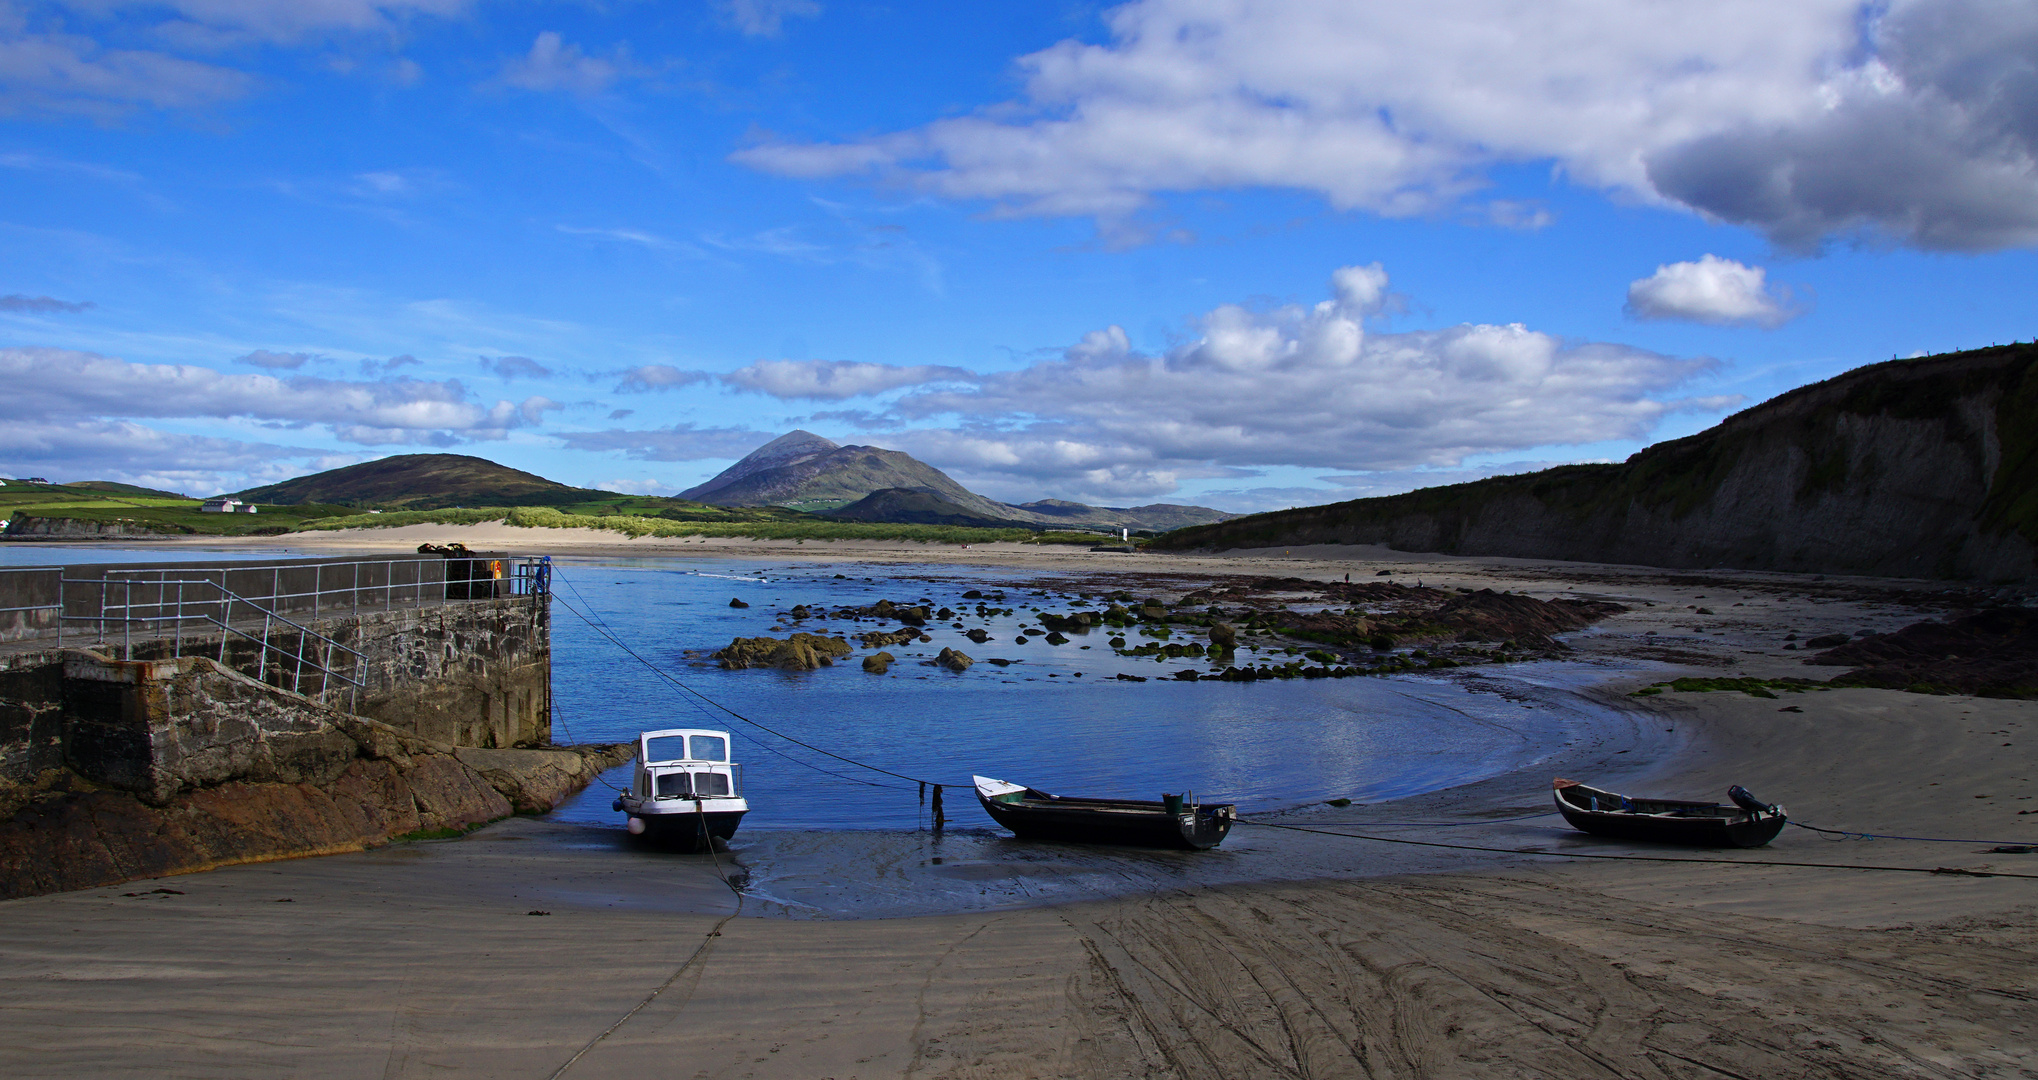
point(1054, 719)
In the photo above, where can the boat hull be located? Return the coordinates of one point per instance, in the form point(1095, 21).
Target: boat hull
point(687, 831)
point(1120, 822)
point(1663, 821)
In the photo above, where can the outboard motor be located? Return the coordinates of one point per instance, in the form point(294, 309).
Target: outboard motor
point(1746, 800)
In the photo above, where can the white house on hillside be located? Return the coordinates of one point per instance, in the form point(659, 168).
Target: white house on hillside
point(224, 505)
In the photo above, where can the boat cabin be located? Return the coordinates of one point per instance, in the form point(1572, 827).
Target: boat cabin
point(686, 763)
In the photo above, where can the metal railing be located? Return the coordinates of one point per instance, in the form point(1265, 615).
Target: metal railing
point(199, 613)
point(157, 609)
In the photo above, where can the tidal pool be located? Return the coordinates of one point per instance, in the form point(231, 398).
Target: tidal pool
point(1055, 718)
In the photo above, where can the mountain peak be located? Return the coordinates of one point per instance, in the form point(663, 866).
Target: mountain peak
point(791, 448)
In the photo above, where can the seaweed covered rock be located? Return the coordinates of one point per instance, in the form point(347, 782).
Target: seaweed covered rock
point(878, 663)
point(1223, 638)
point(800, 652)
point(953, 661)
point(1992, 653)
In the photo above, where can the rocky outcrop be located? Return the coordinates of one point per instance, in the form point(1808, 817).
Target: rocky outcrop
point(879, 663)
point(800, 652)
point(143, 768)
point(1911, 468)
point(953, 660)
point(32, 527)
point(1991, 653)
point(536, 781)
point(1223, 637)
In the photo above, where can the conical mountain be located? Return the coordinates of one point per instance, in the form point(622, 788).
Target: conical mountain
point(804, 470)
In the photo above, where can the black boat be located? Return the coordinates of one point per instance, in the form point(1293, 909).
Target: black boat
point(1172, 821)
point(1745, 821)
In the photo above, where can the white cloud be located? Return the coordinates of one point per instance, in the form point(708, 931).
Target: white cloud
point(44, 68)
point(218, 23)
point(1804, 119)
point(554, 65)
point(1711, 290)
point(1292, 385)
point(515, 367)
point(67, 73)
point(126, 452)
point(647, 378)
point(835, 380)
point(274, 361)
point(43, 305)
point(46, 383)
point(680, 442)
point(765, 18)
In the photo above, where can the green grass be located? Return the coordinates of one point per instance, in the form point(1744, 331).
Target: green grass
point(155, 513)
point(1762, 688)
point(637, 525)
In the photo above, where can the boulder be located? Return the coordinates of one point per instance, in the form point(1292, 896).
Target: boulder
point(536, 781)
point(800, 652)
point(1223, 637)
point(1055, 638)
point(953, 661)
point(737, 603)
point(878, 663)
point(978, 635)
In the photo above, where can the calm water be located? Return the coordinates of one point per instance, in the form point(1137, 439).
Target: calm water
point(1055, 719)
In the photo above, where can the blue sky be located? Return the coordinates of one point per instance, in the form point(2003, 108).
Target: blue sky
point(1244, 253)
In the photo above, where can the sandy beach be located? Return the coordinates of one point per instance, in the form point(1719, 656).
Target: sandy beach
point(536, 949)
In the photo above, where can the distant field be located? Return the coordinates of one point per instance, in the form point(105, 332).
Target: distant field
point(541, 517)
point(152, 513)
point(631, 515)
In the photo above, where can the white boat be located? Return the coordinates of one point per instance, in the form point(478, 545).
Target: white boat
point(686, 790)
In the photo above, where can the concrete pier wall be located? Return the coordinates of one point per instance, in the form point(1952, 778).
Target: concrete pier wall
point(157, 755)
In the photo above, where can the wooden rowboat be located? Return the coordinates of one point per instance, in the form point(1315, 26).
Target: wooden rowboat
point(1744, 822)
point(1172, 821)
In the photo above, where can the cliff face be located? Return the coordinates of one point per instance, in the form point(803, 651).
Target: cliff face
point(1912, 468)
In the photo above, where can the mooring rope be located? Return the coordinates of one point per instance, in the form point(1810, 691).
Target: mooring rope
point(1955, 871)
point(1849, 834)
point(603, 630)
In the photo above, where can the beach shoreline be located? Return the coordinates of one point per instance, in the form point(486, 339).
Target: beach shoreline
point(420, 958)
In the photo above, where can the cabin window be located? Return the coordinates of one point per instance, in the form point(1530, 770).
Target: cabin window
point(708, 783)
point(665, 748)
point(672, 785)
point(710, 748)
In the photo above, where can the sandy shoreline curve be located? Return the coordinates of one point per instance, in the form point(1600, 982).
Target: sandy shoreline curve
point(522, 946)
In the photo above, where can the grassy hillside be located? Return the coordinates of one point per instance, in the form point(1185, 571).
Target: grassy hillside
point(422, 482)
point(32, 508)
point(1922, 467)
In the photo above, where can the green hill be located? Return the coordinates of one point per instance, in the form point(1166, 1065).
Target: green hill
point(114, 488)
point(1910, 468)
point(423, 482)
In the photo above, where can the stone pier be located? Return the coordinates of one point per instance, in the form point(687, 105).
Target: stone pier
point(270, 728)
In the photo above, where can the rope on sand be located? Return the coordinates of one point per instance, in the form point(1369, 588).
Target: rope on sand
point(1943, 870)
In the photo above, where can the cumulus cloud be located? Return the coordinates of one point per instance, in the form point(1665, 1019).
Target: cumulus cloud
point(127, 452)
point(1712, 290)
point(680, 442)
point(1908, 118)
point(835, 380)
point(765, 18)
point(515, 367)
point(650, 377)
point(552, 64)
point(1296, 384)
point(275, 361)
point(43, 305)
point(46, 68)
point(45, 383)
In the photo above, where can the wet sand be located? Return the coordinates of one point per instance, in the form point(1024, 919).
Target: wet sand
point(1320, 957)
